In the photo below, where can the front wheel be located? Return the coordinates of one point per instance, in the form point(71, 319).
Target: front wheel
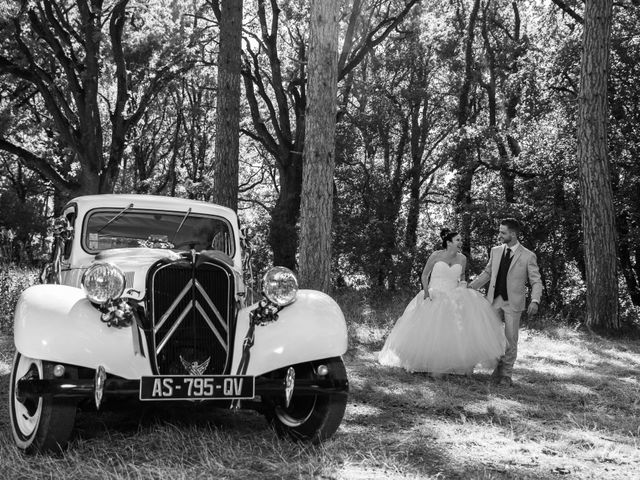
point(310, 418)
point(41, 424)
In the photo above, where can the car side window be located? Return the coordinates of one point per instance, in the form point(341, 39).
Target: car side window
point(70, 218)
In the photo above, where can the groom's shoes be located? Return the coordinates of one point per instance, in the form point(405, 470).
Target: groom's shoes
point(505, 381)
point(499, 378)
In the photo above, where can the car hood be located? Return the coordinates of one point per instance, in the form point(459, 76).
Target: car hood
point(135, 263)
point(135, 257)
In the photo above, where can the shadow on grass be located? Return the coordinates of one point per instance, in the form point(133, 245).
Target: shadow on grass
point(408, 423)
point(4, 399)
point(603, 400)
point(389, 439)
point(417, 426)
point(604, 349)
point(132, 417)
point(584, 402)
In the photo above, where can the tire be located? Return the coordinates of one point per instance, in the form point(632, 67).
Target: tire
point(45, 424)
point(312, 419)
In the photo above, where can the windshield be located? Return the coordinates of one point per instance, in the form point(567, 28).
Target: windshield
point(154, 229)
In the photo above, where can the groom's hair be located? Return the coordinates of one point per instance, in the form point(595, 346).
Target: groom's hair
point(512, 224)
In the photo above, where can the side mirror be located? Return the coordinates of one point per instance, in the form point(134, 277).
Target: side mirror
point(63, 235)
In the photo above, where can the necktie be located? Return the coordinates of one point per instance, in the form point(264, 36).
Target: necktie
point(507, 254)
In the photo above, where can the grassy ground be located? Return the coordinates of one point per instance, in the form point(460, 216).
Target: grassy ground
point(13, 281)
point(574, 412)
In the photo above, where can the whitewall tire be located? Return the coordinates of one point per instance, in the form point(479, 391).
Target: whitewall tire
point(309, 418)
point(42, 424)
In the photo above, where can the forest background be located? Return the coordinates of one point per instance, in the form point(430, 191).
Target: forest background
point(450, 113)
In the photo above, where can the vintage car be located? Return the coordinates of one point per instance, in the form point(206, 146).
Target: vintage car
point(147, 299)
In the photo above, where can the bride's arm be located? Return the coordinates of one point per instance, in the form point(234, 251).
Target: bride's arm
point(426, 272)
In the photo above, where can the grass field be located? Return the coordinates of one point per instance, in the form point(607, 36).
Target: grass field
point(574, 412)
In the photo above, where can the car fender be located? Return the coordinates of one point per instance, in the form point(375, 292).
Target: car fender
point(57, 323)
point(311, 328)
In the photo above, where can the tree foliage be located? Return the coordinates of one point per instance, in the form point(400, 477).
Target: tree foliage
point(451, 113)
point(85, 73)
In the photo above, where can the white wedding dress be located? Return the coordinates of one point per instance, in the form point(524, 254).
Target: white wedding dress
point(451, 332)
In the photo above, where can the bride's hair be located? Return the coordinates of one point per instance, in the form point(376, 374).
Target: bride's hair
point(447, 235)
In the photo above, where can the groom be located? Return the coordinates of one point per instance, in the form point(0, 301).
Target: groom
point(510, 267)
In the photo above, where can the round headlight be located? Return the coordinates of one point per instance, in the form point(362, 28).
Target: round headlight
point(280, 286)
point(103, 282)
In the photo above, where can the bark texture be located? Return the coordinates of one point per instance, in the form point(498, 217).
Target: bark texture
point(463, 158)
point(319, 148)
point(284, 95)
point(598, 217)
point(228, 112)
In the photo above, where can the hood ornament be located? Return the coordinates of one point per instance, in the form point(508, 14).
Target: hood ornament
point(193, 367)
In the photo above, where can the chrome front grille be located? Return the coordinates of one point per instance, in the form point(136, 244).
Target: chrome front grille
point(192, 318)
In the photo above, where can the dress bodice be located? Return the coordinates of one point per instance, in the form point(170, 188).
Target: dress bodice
point(445, 277)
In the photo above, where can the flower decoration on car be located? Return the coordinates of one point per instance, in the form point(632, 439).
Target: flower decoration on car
point(116, 313)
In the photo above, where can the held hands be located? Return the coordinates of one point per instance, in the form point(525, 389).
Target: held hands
point(462, 284)
point(533, 308)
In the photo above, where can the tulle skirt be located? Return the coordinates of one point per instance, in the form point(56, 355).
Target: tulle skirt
point(452, 332)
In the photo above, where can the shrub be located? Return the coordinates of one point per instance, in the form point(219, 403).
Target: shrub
point(13, 281)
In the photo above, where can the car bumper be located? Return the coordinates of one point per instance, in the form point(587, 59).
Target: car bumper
point(117, 387)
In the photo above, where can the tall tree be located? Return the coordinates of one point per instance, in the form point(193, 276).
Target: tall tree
point(319, 148)
point(503, 65)
point(276, 94)
point(598, 216)
point(464, 162)
point(225, 190)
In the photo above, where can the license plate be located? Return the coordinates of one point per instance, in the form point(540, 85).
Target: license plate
point(203, 387)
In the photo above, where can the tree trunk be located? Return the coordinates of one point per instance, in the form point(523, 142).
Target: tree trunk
point(228, 113)
point(265, 88)
point(598, 216)
point(417, 147)
point(319, 149)
point(463, 161)
point(631, 273)
point(283, 233)
point(413, 213)
point(464, 202)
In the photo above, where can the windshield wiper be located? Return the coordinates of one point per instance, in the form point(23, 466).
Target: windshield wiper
point(117, 216)
point(184, 219)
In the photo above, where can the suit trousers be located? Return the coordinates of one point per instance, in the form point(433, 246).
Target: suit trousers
point(511, 320)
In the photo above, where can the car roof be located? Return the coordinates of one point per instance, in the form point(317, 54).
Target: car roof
point(151, 202)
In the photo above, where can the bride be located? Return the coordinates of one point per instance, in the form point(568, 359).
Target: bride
point(447, 328)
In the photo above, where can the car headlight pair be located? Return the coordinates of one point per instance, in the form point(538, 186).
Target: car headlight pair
point(103, 282)
point(280, 286)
